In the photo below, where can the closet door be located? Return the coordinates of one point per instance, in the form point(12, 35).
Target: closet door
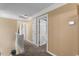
point(43, 32)
point(40, 30)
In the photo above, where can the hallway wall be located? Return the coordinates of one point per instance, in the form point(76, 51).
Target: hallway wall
point(29, 29)
point(8, 30)
point(62, 37)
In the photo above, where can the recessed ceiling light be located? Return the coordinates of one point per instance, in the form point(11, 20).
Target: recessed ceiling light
point(23, 16)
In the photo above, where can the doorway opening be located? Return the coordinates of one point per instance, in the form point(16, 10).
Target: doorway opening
point(42, 30)
point(43, 39)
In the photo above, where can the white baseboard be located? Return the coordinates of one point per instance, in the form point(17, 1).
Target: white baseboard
point(51, 53)
point(31, 42)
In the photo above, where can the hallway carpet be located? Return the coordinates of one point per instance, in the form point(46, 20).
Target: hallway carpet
point(32, 50)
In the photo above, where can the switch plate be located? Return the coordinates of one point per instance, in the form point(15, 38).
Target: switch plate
point(71, 22)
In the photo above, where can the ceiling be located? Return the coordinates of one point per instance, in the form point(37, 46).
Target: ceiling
point(21, 9)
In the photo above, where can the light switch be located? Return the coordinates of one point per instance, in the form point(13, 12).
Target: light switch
point(71, 22)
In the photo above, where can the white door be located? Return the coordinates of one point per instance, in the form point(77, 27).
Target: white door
point(43, 32)
point(40, 30)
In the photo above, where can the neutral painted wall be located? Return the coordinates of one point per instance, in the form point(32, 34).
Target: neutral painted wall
point(8, 30)
point(29, 31)
point(62, 37)
point(78, 27)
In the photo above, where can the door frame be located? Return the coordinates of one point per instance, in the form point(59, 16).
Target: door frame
point(38, 28)
point(45, 20)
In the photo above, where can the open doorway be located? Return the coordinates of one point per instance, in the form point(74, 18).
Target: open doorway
point(42, 30)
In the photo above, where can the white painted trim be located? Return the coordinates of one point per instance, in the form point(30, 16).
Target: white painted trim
point(47, 41)
point(51, 53)
point(50, 8)
point(38, 18)
point(31, 42)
